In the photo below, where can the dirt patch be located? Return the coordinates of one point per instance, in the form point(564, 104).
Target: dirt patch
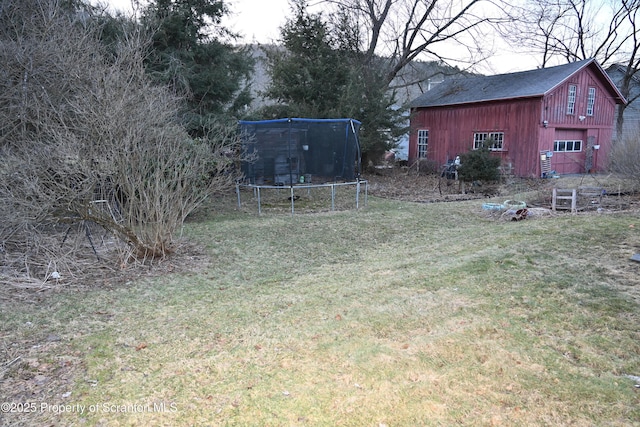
point(398, 185)
point(103, 271)
point(406, 185)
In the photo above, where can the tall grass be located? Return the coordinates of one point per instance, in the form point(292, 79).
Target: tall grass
point(398, 314)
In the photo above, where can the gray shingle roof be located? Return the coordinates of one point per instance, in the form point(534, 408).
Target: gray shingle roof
point(523, 84)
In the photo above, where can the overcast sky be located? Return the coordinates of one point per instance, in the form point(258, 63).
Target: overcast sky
point(255, 20)
point(260, 21)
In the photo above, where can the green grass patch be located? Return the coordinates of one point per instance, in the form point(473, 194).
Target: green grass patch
point(396, 314)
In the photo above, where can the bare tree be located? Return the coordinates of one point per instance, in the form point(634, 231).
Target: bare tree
point(407, 30)
point(629, 61)
point(86, 138)
point(538, 27)
point(625, 156)
point(572, 30)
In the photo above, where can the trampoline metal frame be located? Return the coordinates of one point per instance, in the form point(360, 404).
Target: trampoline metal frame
point(256, 189)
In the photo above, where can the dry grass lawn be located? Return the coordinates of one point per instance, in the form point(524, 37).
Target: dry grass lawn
point(398, 314)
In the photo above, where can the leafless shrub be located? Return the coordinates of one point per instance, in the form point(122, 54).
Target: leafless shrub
point(86, 139)
point(625, 156)
point(425, 167)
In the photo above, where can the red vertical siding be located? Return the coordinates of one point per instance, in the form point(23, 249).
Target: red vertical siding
point(451, 128)
point(555, 103)
point(451, 131)
point(579, 125)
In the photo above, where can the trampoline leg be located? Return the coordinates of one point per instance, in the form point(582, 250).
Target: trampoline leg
point(333, 197)
point(238, 194)
point(259, 209)
point(292, 202)
point(357, 194)
point(366, 192)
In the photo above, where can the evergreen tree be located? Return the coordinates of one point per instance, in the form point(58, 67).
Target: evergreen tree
point(368, 99)
point(190, 54)
point(479, 165)
point(320, 73)
point(308, 76)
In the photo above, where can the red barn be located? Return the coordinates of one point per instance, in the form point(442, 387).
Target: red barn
point(550, 119)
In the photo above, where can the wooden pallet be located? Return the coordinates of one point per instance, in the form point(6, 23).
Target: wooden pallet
point(564, 194)
point(587, 196)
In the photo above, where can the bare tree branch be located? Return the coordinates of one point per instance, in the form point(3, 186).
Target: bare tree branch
point(86, 138)
point(580, 29)
point(406, 30)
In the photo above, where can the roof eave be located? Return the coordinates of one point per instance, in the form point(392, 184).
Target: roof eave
point(481, 101)
point(619, 98)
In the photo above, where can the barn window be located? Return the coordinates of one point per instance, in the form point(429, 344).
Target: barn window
point(423, 141)
point(564, 146)
point(571, 101)
point(591, 101)
point(492, 140)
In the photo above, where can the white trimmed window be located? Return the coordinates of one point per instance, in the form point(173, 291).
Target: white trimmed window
point(591, 101)
point(567, 146)
point(423, 142)
point(571, 99)
point(494, 141)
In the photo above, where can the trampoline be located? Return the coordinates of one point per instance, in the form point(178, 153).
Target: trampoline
point(297, 153)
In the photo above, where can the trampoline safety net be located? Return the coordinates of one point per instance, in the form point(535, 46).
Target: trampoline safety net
point(300, 151)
